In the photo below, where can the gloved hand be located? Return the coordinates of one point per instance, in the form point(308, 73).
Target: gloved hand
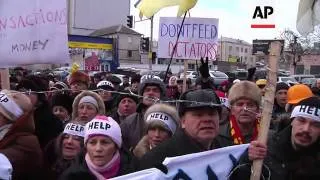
point(204, 68)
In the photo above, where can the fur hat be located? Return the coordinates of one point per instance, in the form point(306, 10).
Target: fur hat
point(162, 115)
point(14, 104)
point(244, 89)
point(62, 99)
point(103, 125)
point(152, 82)
point(79, 76)
point(101, 106)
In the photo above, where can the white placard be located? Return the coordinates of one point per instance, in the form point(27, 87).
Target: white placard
point(205, 165)
point(33, 31)
point(198, 38)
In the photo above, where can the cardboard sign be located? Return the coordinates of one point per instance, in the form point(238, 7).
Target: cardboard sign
point(33, 31)
point(198, 38)
point(214, 164)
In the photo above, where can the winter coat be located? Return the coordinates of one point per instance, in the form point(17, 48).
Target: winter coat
point(133, 128)
point(225, 139)
point(101, 109)
point(283, 161)
point(47, 125)
point(79, 169)
point(22, 148)
point(180, 144)
point(142, 147)
point(172, 92)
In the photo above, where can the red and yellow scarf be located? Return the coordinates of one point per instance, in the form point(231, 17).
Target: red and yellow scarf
point(236, 133)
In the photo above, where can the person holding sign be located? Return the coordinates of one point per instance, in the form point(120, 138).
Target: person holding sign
point(62, 151)
point(245, 99)
point(17, 140)
point(293, 153)
point(199, 118)
point(104, 157)
point(161, 123)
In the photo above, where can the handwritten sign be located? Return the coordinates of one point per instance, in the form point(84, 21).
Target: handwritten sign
point(33, 31)
point(198, 38)
point(215, 164)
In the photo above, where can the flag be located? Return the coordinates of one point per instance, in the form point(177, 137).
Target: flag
point(214, 164)
point(148, 8)
point(308, 16)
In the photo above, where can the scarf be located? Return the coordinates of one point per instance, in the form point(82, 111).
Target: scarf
point(4, 130)
point(236, 133)
point(107, 171)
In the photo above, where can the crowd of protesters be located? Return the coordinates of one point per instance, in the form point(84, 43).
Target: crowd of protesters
point(99, 128)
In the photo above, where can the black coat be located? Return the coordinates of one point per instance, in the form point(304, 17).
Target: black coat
point(284, 162)
point(79, 169)
point(180, 144)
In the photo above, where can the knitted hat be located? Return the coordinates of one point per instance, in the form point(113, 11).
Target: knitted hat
point(62, 99)
point(106, 85)
point(308, 108)
point(262, 82)
point(89, 99)
point(162, 115)
point(152, 82)
point(5, 167)
point(127, 94)
point(14, 104)
point(79, 76)
point(281, 86)
point(74, 129)
point(244, 89)
point(103, 125)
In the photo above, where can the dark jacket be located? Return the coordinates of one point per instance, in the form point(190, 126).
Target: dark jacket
point(47, 126)
point(225, 139)
point(180, 144)
point(133, 128)
point(284, 162)
point(79, 169)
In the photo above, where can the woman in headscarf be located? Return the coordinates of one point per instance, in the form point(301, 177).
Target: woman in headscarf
point(104, 157)
point(172, 88)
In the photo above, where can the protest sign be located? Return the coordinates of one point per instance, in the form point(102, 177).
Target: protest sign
point(198, 38)
point(33, 31)
point(214, 164)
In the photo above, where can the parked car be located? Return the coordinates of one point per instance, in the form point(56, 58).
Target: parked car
point(238, 74)
point(309, 81)
point(218, 77)
point(289, 80)
point(299, 77)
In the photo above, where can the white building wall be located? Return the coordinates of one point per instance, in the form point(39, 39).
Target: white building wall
point(86, 16)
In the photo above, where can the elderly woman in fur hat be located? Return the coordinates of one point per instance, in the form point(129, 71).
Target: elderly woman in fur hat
point(61, 152)
point(86, 106)
point(161, 123)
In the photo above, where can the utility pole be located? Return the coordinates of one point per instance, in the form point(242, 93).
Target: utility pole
point(150, 45)
point(294, 49)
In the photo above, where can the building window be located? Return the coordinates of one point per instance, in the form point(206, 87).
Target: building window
point(241, 49)
point(129, 53)
point(177, 60)
point(237, 49)
point(230, 48)
point(245, 50)
point(191, 66)
point(129, 39)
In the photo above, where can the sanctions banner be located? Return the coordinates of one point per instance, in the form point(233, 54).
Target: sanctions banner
point(198, 38)
point(33, 31)
point(214, 164)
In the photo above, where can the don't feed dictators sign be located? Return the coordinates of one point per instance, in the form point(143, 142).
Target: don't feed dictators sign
point(198, 38)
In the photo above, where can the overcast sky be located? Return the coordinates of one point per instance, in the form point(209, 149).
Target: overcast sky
point(235, 17)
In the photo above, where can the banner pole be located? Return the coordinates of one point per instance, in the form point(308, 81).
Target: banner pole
point(5, 79)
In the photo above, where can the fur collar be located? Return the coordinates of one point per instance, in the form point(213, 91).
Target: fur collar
point(142, 147)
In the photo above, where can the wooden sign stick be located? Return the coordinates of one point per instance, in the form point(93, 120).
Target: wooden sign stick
point(5, 79)
point(274, 57)
point(184, 89)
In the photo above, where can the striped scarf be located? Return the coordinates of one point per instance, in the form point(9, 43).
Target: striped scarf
point(236, 133)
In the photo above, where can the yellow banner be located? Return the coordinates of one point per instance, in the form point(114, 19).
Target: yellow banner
point(86, 45)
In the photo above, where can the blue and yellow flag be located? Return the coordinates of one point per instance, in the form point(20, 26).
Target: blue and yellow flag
point(149, 8)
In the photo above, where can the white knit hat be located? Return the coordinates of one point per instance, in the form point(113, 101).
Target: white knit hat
point(74, 129)
point(103, 125)
point(5, 167)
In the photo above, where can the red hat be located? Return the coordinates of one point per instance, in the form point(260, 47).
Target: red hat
point(79, 76)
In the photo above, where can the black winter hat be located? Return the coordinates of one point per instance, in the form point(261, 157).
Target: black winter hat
point(150, 82)
point(313, 101)
point(199, 99)
point(127, 95)
point(62, 99)
point(281, 86)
